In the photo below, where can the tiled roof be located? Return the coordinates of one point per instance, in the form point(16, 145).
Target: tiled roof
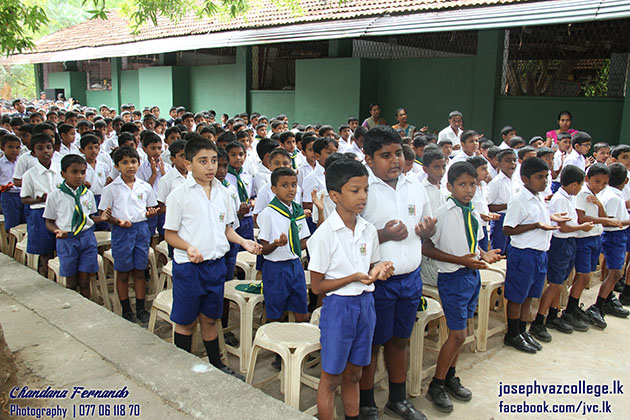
point(115, 30)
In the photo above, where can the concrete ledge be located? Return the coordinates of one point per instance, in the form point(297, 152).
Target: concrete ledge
point(148, 360)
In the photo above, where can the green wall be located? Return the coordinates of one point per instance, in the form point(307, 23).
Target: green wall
point(327, 90)
point(73, 83)
point(96, 98)
point(217, 88)
point(181, 88)
point(155, 86)
point(534, 116)
point(129, 88)
point(273, 102)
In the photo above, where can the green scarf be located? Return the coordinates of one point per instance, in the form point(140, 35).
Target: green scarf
point(293, 156)
point(242, 191)
point(418, 160)
point(78, 216)
point(470, 223)
point(225, 183)
point(298, 214)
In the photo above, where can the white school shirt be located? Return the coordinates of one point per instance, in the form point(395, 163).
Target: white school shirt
point(589, 209)
point(563, 202)
point(106, 159)
point(199, 221)
point(305, 170)
point(144, 173)
point(517, 182)
point(500, 190)
point(248, 181)
point(493, 172)
point(342, 145)
point(315, 181)
point(168, 183)
point(127, 203)
point(450, 234)
point(72, 150)
point(548, 191)
point(110, 144)
point(337, 252)
point(23, 150)
point(557, 163)
point(251, 163)
point(233, 193)
point(23, 164)
point(97, 176)
point(460, 156)
point(142, 154)
point(39, 180)
point(626, 189)
point(525, 208)
point(354, 148)
point(300, 159)
point(437, 195)
point(613, 200)
point(480, 202)
point(265, 195)
point(166, 157)
point(6, 173)
point(263, 177)
point(504, 145)
point(448, 134)
point(60, 208)
point(576, 159)
point(272, 224)
point(408, 203)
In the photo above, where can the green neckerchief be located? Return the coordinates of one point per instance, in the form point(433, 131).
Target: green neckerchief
point(418, 160)
point(297, 214)
point(225, 183)
point(242, 191)
point(293, 156)
point(78, 216)
point(470, 223)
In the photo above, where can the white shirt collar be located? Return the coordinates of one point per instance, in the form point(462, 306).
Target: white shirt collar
point(41, 168)
point(336, 223)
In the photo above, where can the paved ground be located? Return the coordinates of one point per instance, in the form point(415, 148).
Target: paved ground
point(48, 353)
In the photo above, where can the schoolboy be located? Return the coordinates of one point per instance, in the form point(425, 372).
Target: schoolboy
point(564, 146)
point(322, 148)
point(561, 255)
point(499, 194)
point(131, 201)
point(410, 161)
point(614, 241)
point(536, 142)
point(517, 142)
point(469, 147)
point(283, 233)
point(175, 177)
point(12, 207)
point(581, 143)
point(447, 147)
point(310, 163)
point(546, 154)
point(480, 200)
point(522, 154)
point(601, 152)
point(453, 130)
point(589, 209)
point(37, 183)
point(455, 247)
point(344, 137)
point(348, 317)
point(98, 173)
point(527, 223)
point(287, 141)
point(401, 227)
point(263, 174)
point(251, 158)
point(67, 134)
point(507, 133)
point(484, 147)
point(621, 154)
point(279, 158)
point(151, 171)
point(170, 135)
point(71, 214)
point(244, 183)
point(198, 218)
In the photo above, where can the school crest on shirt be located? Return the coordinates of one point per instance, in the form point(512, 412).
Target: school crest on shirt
point(140, 196)
point(363, 249)
point(222, 217)
point(411, 209)
point(87, 204)
point(99, 174)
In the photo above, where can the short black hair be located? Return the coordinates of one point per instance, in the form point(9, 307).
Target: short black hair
point(536, 138)
point(27, 128)
point(493, 151)
point(571, 174)
point(431, 156)
point(279, 151)
point(278, 172)
point(515, 141)
point(177, 146)
point(343, 127)
point(533, 165)
point(325, 128)
point(360, 132)
point(408, 152)
point(64, 128)
point(466, 135)
point(10, 138)
point(524, 150)
point(420, 141)
point(322, 143)
point(352, 118)
point(507, 130)
point(599, 146)
point(151, 138)
point(458, 169)
point(542, 151)
point(477, 161)
point(618, 174)
point(208, 129)
point(581, 137)
point(378, 137)
point(40, 128)
point(486, 144)
point(222, 154)
point(40, 138)
point(306, 139)
point(334, 157)
point(235, 144)
point(598, 169)
point(562, 136)
point(125, 137)
point(171, 130)
point(197, 144)
point(265, 146)
point(88, 139)
point(619, 149)
point(129, 128)
point(340, 172)
point(444, 142)
point(226, 136)
point(123, 152)
point(505, 152)
point(68, 160)
point(284, 136)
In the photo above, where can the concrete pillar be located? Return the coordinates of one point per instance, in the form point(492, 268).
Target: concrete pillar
point(39, 79)
point(244, 76)
point(116, 66)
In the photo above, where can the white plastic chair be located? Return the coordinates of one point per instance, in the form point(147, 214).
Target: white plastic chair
point(491, 280)
point(96, 283)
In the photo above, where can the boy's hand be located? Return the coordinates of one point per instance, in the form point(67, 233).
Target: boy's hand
point(426, 228)
point(126, 224)
point(424, 129)
point(490, 216)
point(106, 214)
point(593, 200)
point(364, 278)
point(317, 200)
point(395, 230)
point(42, 198)
point(243, 210)
point(473, 262)
point(194, 255)
point(252, 203)
point(87, 184)
point(252, 247)
point(492, 256)
point(281, 241)
point(613, 223)
point(308, 213)
point(60, 234)
point(560, 217)
point(589, 161)
point(160, 164)
point(545, 226)
point(382, 271)
point(153, 165)
point(152, 211)
point(108, 180)
point(587, 226)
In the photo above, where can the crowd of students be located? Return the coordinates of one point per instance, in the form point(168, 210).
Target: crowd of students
point(380, 213)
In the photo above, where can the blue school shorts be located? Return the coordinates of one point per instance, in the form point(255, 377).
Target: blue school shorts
point(459, 292)
point(246, 229)
point(78, 254)
point(102, 226)
point(483, 242)
point(628, 240)
point(13, 209)
point(614, 248)
point(160, 223)
point(152, 223)
point(197, 288)
point(587, 255)
point(396, 303)
point(130, 247)
point(561, 259)
point(347, 331)
point(555, 186)
point(497, 239)
point(40, 240)
point(230, 261)
point(526, 272)
point(284, 288)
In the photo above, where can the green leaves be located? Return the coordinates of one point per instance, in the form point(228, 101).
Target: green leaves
point(19, 20)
